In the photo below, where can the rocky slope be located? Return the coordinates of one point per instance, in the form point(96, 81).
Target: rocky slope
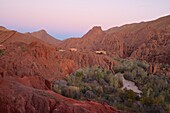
point(27, 71)
point(11, 36)
point(32, 59)
point(43, 35)
point(18, 98)
point(28, 66)
point(96, 39)
point(146, 40)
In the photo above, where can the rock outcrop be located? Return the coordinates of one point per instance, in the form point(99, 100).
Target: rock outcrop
point(96, 39)
point(20, 59)
point(27, 71)
point(29, 64)
point(43, 35)
point(18, 98)
point(146, 40)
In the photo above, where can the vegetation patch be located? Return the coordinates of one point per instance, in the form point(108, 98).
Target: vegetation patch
point(101, 85)
point(2, 52)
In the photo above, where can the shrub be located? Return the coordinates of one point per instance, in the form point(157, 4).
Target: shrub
point(79, 75)
point(1, 52)
point(147, 100)
point(62, 83)
point(167, 107)
point(23, 48)
point(99, 74)
point(84, 87)
point(109, 79)
point(89, 94)
point(124, 65)
point(109, 89)
point(129, 75)
point(71, 91)
point(98, 90)
point(117, 83)
point(118, 68)
point(142, 64)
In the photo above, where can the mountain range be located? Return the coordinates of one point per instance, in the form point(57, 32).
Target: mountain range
point(31, 62)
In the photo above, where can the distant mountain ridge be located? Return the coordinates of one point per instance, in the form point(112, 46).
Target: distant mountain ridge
point(43, 35)
point(8, 36)
point(31, 62)
point(146, 40)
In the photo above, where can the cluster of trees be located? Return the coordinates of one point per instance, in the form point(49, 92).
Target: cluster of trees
point(101, 85)
point(88, 83)
point(155, 88)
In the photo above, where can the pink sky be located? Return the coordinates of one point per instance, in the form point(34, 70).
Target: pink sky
point(73, 18)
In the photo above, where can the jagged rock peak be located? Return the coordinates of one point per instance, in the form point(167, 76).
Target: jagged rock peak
point(42, 31)
point(97, 28)
point(2, 28)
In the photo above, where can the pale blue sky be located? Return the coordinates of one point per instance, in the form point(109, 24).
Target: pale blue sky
point(73, 18)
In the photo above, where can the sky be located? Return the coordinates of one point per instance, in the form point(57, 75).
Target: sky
point(73, 18)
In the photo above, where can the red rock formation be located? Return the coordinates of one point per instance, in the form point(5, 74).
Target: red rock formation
point(18, 98)
point(2, 28)
point(157, 49)
point(41, 60)
point(87, 59)
point(153, 68)
point(28, 64)
point(11, 36)
point(146, 40)
point(29, 67)
point(43, 35)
